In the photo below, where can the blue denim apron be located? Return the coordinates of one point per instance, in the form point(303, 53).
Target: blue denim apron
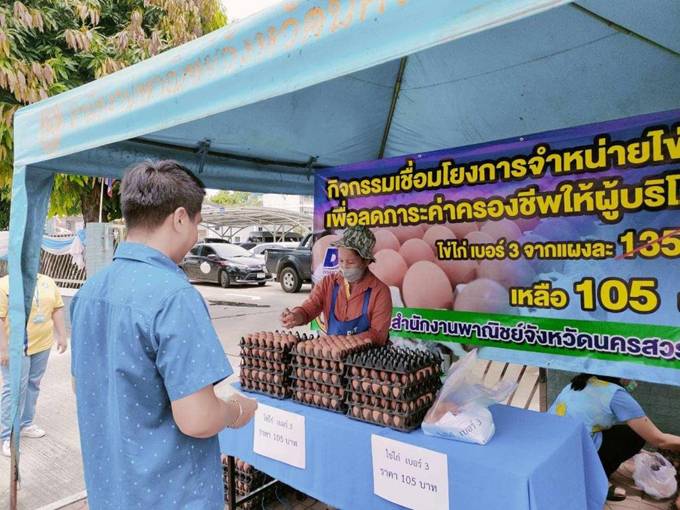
point(351, 327)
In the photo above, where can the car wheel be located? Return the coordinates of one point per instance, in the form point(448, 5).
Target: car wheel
point(290, 280)
point(224, 279)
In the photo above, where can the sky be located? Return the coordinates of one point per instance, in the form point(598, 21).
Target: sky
point(239, 9)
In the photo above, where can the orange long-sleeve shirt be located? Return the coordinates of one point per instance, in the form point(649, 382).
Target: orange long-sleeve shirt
point(379, 305)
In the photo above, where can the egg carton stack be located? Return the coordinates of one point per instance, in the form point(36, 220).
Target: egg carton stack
point(392, 386)
point(265, 362)
point(318, 370)
point(247, 479)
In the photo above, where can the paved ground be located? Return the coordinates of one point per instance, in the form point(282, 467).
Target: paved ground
point(51, 467)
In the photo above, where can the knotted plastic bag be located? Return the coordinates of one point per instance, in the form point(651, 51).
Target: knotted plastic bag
point(460, 411)
point(655, 475)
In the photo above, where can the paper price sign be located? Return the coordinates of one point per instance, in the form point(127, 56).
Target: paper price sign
point(279, 435)
point(410, 476)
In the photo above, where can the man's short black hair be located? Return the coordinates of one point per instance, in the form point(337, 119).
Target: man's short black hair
point(152, 190)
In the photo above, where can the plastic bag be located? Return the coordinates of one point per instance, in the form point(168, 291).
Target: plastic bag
point(655, 475)
point(460, 411)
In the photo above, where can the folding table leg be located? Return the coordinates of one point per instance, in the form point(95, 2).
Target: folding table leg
point(231, 480)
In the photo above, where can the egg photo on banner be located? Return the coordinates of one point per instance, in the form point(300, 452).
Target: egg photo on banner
point(553, 244)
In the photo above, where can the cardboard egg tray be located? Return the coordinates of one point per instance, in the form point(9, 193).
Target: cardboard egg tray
point(263, 353)
point(394, 376)
point(247, 480)
point(265, 362)
point(329, 377)
point(393, 391)
point(401, 407)
point(280, 391)
point(276, 366)
point(328, 365)
point(314, 399)
point(328, 390)
point(396, 421)
point(279, 378)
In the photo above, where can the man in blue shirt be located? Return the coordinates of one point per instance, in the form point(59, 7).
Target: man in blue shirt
point(146, 356)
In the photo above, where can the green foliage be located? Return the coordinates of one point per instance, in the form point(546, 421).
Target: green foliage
point(50, 46)
point(237, 198)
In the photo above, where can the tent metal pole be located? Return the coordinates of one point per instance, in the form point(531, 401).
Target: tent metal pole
point(623, 29)
point(228, 155)
point(393, 106)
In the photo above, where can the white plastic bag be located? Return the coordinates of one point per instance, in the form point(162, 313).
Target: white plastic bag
point(461, 409)
point(655, 475)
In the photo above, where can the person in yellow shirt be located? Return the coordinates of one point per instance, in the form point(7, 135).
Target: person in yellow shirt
point(45, 326)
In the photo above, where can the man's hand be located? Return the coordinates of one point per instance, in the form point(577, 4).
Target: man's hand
point(4, 357)
point(62, 344)
point(248, 407)
point(291, 319)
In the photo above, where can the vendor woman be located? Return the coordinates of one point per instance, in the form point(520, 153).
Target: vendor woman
point(353, 301)
point(619, 426)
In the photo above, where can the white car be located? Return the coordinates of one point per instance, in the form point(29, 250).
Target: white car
point(257, 252)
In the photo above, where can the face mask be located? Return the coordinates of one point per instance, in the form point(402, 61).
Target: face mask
point(353, 274)
point(631, 386)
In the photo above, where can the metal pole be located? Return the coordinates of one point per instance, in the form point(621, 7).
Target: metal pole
point(14, 474)
point(231, 489)
point(101, 201)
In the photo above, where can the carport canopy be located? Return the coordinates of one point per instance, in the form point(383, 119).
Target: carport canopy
point(229, 220)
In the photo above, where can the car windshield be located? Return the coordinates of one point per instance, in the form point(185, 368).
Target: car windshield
point(229, 250)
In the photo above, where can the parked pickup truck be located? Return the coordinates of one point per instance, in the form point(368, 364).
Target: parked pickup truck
point(292, 266)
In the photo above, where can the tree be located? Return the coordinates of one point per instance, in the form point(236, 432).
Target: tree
point(237, 198)
point(50, 46)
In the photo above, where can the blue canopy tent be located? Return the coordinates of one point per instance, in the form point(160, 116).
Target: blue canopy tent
point(262, 103)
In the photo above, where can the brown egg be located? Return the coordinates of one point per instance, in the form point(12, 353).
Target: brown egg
point(527, 224)
point(320, 247)
point(375, 388)
point(479, 238)
point(385, 240)
point(427, 286)
point(503, 228)
point(403, 234)
point(509, 273)
point(317, 399)
point(355, 371)
point(366, 386)
point(356, 411)
point(389, 267)
point(366, 414)
point(437, 233)
point(335, 403)
point(415, 250)
point(458, 271)
point(325, 377)
point(325, 401)
point(482, 295)
point(385, 389)
point(396, 392)
point(376, 415)
point(335, 379)
point(460, 230)
point(386, 419)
